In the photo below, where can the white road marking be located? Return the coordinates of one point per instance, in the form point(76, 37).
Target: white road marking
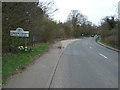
point(103, 55)
point(90, 47)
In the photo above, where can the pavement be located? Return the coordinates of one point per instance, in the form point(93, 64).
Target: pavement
point(39, 74)
point(65, 43)
point(86, 64)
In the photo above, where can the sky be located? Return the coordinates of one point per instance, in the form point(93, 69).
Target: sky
point(94, 9)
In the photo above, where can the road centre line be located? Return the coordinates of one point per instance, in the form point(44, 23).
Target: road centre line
point(103, 55)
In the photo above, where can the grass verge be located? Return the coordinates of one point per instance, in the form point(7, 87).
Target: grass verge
point(113, 46)
point(13, 62)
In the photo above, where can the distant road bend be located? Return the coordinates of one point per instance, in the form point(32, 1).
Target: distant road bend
point(86, 64)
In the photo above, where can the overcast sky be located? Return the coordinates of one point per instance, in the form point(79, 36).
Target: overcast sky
point(94, 9)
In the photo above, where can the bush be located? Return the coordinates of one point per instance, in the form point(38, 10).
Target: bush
point(113, 40)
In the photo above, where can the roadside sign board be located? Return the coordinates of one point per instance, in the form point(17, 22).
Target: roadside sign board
point(19, 32)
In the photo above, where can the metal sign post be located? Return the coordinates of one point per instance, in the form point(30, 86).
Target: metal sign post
point(25, 42)
point(33, 40)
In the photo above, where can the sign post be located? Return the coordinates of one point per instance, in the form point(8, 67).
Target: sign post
point(19, 32)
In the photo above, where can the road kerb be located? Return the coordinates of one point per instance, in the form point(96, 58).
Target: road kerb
point(108, 47)
point(55, 67)
point(53, 71)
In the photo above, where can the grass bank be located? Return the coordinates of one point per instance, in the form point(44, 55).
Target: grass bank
point(99, 40)
point(13, 62)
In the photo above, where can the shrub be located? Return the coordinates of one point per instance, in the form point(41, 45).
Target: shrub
point(113, 40)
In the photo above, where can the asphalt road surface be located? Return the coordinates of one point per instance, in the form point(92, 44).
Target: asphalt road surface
point(86, 64)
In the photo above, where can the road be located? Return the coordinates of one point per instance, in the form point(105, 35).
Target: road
point(86, 64)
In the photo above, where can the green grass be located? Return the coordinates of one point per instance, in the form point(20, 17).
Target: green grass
point(12, 62)
point(98, 38)
point(113, 46)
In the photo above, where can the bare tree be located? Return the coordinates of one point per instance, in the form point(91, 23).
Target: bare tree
point(48, 8)
point(77, 19)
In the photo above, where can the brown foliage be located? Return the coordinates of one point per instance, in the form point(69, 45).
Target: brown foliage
point(113, 40)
